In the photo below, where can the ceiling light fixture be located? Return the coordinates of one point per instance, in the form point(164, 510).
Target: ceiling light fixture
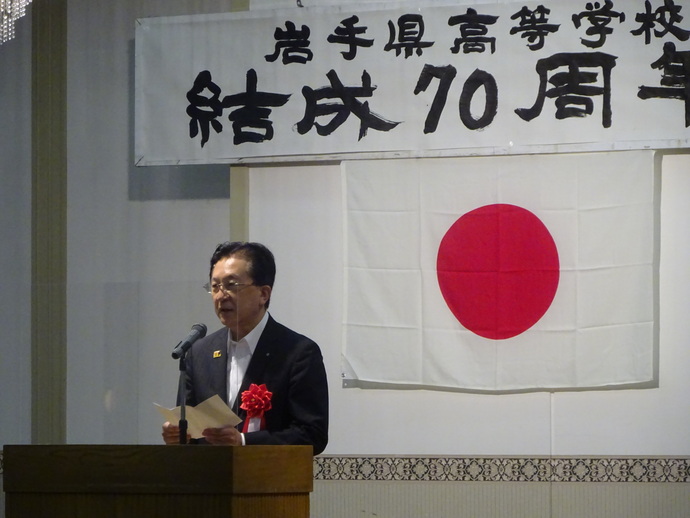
point(10, 12)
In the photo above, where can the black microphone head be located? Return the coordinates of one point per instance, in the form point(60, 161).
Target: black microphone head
point(201, 329)
point(198, 331)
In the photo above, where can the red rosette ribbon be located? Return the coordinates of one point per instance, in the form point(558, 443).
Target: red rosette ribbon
point(256, 401)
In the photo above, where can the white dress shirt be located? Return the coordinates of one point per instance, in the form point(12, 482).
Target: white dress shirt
point(239, 355)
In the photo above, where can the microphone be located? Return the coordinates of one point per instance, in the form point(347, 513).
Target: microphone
point(198, 331)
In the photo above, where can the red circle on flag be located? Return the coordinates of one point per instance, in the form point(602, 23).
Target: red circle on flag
point(498, 270)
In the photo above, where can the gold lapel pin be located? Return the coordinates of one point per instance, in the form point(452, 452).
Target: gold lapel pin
point(217, 354)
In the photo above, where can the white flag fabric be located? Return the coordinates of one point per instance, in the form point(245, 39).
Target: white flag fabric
point(502, 273)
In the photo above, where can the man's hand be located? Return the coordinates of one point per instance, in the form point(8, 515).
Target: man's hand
point(227, 435)
point(171, 433)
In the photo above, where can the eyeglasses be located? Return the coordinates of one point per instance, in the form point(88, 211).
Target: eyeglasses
point(226, 287)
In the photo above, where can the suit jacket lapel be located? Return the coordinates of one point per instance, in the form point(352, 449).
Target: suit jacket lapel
point(262, 353)
point(218, 370)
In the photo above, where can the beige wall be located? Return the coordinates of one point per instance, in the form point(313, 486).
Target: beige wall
point(501, 487)
point(499, 500)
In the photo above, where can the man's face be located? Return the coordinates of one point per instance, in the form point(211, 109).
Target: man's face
point(240, 308)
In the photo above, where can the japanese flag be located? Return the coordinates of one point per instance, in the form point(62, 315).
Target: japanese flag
point(501, 273)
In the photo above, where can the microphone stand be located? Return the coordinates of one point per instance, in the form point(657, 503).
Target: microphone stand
point(182, 391)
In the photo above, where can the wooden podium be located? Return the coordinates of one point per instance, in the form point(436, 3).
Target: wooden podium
point(104, 481)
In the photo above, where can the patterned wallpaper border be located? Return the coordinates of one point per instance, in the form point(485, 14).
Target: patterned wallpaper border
point(501, 469)
point(498, 469)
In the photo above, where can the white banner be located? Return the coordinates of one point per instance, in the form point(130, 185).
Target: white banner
point(402, 80)
point(502, 273)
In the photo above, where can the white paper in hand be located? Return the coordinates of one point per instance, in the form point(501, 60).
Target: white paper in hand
point(212, 413)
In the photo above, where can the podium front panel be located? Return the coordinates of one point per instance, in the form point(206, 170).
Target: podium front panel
point(131, 481)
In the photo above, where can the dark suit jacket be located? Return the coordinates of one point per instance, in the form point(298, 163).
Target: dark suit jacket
point(291, 366)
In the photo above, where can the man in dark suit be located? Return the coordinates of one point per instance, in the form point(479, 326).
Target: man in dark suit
point(253, 348)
